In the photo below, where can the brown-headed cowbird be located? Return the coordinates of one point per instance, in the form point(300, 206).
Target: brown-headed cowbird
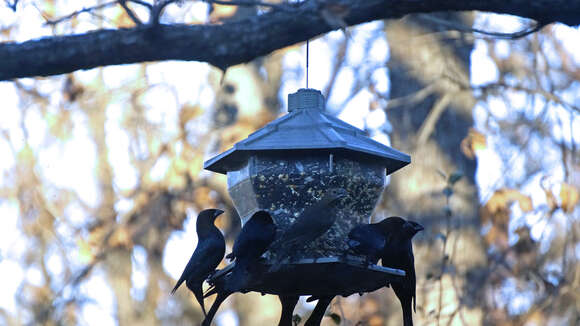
point(318, 313)
point(254, 239)
point(312, 223)
point(288, 304)
point(209, 252)
point(398, 253)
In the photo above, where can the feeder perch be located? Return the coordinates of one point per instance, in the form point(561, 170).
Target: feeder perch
point(285, 167)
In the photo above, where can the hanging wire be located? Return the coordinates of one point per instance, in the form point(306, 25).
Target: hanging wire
point(307, 46)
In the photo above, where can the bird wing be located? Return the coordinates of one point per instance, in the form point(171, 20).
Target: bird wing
point(254, 239)
point(365, 236)
point(205, 258)
point(311, 224)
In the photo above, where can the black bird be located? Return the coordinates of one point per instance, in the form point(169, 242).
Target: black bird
point(398, 253)
point(254, 239)
point(288, 304)
point(209, 252)
point(313, 222)
point(318, 313)
point(369, 239)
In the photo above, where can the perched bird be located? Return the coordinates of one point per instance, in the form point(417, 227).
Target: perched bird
point(318, 313)
point(398, 253)
point(254, 239)
point(209, 252)
point(369, 239)
point(312, 223)
point(288, 304)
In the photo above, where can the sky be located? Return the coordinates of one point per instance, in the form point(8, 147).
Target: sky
point(71, 164)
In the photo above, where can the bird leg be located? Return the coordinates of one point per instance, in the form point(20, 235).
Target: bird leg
point(288, 303)
point(318, 313)
point(221, 297)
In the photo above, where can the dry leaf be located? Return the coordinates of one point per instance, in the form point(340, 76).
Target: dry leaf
point(497, 212)
point(189, 112)
point(536, 318)
point(569, 197)
point(120, 238)
point(502, 198)
point(473, 142)
point(376, 320)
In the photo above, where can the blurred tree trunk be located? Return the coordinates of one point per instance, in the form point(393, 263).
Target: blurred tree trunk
point(425, 58)
point(116, 258)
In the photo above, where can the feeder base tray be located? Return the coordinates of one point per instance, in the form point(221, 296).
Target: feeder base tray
point(322, 277)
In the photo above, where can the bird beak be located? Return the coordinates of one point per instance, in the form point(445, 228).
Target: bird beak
point(413, 227)
point(417, 227)
point(218, 212)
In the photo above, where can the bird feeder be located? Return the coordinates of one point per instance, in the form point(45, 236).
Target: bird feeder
point(288, 164)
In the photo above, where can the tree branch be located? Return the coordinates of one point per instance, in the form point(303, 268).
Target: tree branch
point(157, 10)
point(429, 124)
point(12, 5)
point(247, 3)
point(78, 12)
point(231, 43)
point(547, 95)
point(130, 12)
point(512, 36)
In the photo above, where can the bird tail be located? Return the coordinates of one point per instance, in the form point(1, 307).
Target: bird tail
point(198, 292)
point(406, 300)
point(407, 316)
point(176, 286)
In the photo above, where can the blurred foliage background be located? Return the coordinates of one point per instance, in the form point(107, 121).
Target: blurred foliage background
point(101, 171)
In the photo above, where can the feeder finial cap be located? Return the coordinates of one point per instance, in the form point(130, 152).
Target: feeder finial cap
point(306, 98)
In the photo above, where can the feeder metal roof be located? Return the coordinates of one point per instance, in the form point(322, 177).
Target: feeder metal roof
point(307, 127)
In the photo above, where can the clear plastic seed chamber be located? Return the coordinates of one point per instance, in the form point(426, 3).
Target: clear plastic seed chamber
point(287, 166)
point(286, 184)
